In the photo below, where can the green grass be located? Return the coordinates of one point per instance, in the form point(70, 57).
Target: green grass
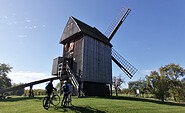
point(121, 104)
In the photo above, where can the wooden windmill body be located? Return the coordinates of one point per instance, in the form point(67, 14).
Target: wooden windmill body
point(88, 54)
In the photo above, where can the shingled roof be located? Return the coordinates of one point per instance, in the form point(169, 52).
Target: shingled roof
point(75, 26)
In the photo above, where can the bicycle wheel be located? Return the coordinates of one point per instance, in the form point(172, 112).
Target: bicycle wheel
point(55, 100)
point(45, 103)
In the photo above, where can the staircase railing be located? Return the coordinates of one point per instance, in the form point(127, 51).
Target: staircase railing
point(72, 77)
point(74, 81)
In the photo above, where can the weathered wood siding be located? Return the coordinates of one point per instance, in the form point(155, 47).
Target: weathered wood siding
point(77, 57)
point(97, 64)
point(70, 29)
point(56, 61)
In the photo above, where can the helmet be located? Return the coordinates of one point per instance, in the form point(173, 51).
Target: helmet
point(65, 81)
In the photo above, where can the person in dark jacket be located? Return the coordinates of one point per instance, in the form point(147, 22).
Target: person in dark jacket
point(49, 88)
point(66, 91)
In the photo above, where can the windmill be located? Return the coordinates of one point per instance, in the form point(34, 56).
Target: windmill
point(87, 57)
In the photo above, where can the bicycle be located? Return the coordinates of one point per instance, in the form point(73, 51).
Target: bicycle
point(54, 100)
point(67, 101)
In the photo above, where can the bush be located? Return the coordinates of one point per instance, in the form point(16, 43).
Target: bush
point(36, 92)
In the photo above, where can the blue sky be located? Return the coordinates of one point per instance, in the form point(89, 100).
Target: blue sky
point(153, 34)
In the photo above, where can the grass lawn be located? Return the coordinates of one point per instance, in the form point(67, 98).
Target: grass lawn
point(121, 104)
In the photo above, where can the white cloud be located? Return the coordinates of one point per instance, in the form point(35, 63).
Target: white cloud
point(26, 77)
point(43, 25)
point(4, 17)
point(35, 27)
point(28, 20)
point(12, 23)
point(13, 14)
point(146, 72)
point(22, 36)
point(28, 27)
point(31, 27)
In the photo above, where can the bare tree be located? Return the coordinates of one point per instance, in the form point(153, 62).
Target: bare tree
point(116, 82)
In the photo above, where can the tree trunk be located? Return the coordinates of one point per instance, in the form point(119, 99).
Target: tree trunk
point(162, 99)
point(174, 97)
point(116, 90)
point(31, 92)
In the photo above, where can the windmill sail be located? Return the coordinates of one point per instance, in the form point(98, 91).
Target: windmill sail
point(125, 66)
point(112, 29)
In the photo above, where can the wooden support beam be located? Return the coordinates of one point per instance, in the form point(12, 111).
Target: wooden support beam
point(27, 84)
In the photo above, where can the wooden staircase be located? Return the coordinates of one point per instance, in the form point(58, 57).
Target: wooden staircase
point(65, 73)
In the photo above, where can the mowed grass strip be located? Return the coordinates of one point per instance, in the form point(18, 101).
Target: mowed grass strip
point(121, 104)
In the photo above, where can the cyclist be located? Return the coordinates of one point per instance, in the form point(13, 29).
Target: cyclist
point(49, 89)
point(66, 92)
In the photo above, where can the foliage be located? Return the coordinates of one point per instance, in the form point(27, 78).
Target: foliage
point(5, 81)
point(59, 89)
point(116, 82)
point(168, 83)
point(159, 85)
point(128, 91)
point(58, 86)
point(174, 73)
point(36, 92)
point(140, 85)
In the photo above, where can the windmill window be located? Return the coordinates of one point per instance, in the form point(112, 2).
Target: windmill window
point(71, 46)
point(66, 47)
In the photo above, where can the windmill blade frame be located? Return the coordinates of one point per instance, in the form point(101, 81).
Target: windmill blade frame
point(124, 65)
point(112, 29)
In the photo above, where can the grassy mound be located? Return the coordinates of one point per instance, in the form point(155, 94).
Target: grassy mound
point(121, 104)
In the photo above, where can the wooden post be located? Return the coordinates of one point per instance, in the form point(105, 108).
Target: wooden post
point(61, 91)
point(31, 92)
point(110, 89)
point(79, 89)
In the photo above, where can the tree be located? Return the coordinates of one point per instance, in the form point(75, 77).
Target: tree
point(5, 81)
point(116, 82)
point(140, 85)
point(58, 87)
point(174, 72)
point(159, 85)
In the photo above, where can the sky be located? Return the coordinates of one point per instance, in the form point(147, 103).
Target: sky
point(153, 34)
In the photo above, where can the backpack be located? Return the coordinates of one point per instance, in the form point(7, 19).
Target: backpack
point(65, 88)
point(48, 86)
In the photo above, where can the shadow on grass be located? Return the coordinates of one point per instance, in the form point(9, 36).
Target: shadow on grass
point(80, 109)
point(143, 100)
point(14, 99)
